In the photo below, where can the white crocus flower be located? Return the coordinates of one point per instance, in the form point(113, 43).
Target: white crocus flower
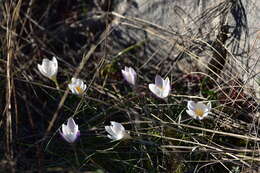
point(70, 132)
point(198, 110)
point(116, 131)
point(161, 88)
point(129, 75)
point(77, 86)
point(49, 68)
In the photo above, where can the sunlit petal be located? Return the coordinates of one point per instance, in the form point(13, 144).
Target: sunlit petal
point(191, 105)
point(77, 86)
point(198, 110)
point(129, 75)
point(161, 88)
point(116, 131)
point(70, 131)
point(49, 68)
point(159, 81)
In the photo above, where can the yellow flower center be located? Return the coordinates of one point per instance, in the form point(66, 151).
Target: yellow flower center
point(80, 91)
point(161, 88)
point(199, 112)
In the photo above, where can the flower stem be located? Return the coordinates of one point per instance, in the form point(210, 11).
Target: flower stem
point(56, 83)
point(76, 155)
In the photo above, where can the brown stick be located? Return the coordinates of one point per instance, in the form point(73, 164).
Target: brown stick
point(11, 13)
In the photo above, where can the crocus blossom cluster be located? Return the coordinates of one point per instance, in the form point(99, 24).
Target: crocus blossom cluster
point(49, 69)
point(198, 110)
point(161, 88)
point(116, 131)
point(70, 131)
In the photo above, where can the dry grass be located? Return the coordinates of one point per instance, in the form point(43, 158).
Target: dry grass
point(165, 138)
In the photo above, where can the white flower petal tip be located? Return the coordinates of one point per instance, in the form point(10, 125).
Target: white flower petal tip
point(198, 110)
point(49, 68)
point(129, 75)
point(70, 132)
point(116, 131)
point(77, 86)
point(161, 88)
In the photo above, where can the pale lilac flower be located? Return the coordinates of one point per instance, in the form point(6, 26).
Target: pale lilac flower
point(70, 132)
point(49, 68)
point(77, 86)
point(161, 88)
point(129, 75)
point(116, 131)
point(198, 110)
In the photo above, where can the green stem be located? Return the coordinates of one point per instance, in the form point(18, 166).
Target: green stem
point(56, 83)
point(76, 155)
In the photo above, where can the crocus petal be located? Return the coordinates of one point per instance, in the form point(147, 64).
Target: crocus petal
point(161, 88)
point(54, 66)
point(166, 87)
point(74, 91)
point(132, 71)
point(129, 75)
point(209, 106)
point(63, 135)
point(109, 130)
point(116, 131)
point(49, 68)
point(77, 86)
point(73, 80)
point(79, 82)
point(198, 110)
point(64, 129)
point(126, 69)
point(46, 65)
point(199, 105)
point(166, 92)
point(132, 79)
point(159, 81)
point(167, 83)
point(45, 70)
point(117, 126)
point(84, 87)
point(191, 113)
point(191, 105)
point(111, 137)
point(71, 124)
point(124, 73)
point(71, 87)
point(114, 138)
point(73, 137)
point(154, 89)
point(133, 75)
point(54, 62)
point(70, 131)
point(41, 70)
point(205, 114)
point(199, 118)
